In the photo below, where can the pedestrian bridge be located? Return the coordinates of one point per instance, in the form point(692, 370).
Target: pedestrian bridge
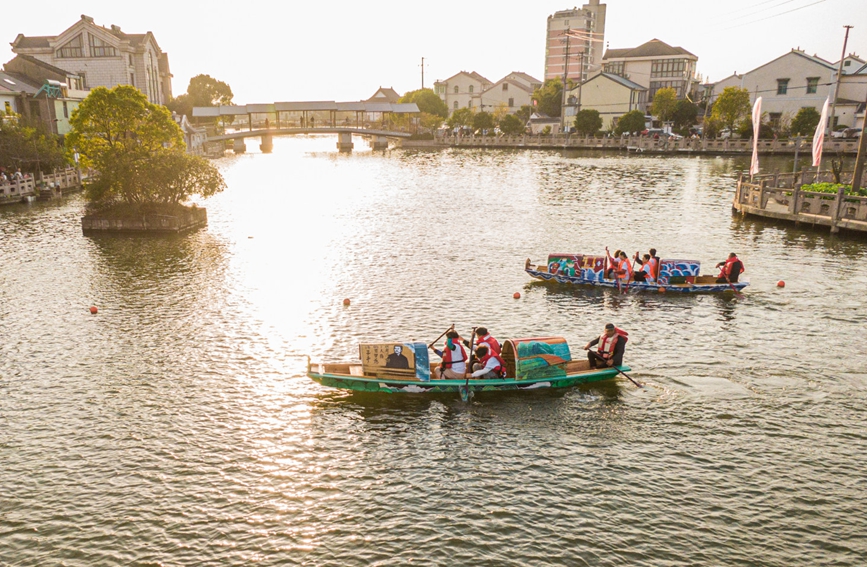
point(311, 117)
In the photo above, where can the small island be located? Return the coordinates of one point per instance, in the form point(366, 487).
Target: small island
point(145, 177)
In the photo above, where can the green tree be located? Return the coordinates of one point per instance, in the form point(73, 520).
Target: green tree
point(483, 121)
point(549, 98)
point(203, 90)
point(588, 122)
point(664, 104)
point(804, 123)
point(631, 122)
point(28, 148)
point(732, 106)
point(524, 113)
point(745, 130)
point(684, 115)
point(427, 101)
point(461, 117)
point(138, 150)
point(512, 125)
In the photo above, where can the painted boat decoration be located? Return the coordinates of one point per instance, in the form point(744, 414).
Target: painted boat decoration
point(531, 364)
point(678, 276)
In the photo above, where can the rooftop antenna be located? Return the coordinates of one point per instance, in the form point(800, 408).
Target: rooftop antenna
point(422, 72)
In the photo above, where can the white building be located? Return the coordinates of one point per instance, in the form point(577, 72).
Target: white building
point(611, 96)
point(584, 52)
point(104, 57)
point(462, 90)
point(797, 80)
point(654, 65)
point(511, 93)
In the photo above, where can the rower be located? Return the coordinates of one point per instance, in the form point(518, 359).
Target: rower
point(454, 357)
point(612, 344)
point(648, 269)
point(490, 366)
point(730, 270)
point(483, 337)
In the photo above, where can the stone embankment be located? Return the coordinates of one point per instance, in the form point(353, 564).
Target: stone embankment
point(41, 185)
point(190, 218)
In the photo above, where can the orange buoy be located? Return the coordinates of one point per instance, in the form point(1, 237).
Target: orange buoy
point(517, 295)
point(93, 310)
point(781, 283)
point(662, 290)
point(346, 301)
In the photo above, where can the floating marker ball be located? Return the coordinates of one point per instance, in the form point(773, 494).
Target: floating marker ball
point(662, 290)
point(781, 283)
point(346, 302)
point(517, 295)
point(93, 309)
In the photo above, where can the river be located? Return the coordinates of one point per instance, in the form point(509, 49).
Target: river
point(177, 427)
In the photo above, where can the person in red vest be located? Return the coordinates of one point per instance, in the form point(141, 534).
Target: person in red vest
point(647, 273)
point(730, 270)
point(490, 366)
point(612, 345)
point(454, 357)
point(483, 337)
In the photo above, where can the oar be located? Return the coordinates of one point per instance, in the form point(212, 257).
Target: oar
point(441, 336)
point(464, 390)
point(737, 294)
point(599, 356)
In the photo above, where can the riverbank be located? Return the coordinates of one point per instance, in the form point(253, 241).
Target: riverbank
point(638, 144)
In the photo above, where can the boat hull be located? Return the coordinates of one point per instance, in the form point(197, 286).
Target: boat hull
point(394, 386)
point(638, 286)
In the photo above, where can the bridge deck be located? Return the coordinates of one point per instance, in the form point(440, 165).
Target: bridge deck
point(294, 131)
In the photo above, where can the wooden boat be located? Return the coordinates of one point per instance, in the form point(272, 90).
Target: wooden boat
point(531, 364)
point(678, 276)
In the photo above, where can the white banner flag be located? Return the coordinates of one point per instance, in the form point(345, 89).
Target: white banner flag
point(819, 136)
point(757, 122)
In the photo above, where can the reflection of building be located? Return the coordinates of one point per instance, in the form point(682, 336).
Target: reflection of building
point(797, 80)
point(610, 95)
point(654, 65)
point(40, 92)
point(463, 90)
point(104, 57)
point(590, 19)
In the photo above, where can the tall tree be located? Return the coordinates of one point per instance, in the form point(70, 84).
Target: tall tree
point(203, 90)
point(524, 113)
point(512, 125)
point(138, 150)
point(427, 101)
point(804, 123)
point(549, 98)
point(684, 115)
point(732, 106)
point(483, 121)
point(664, 104)
point(461, 117)
point(629, 123)
point(27, 148)
point(588, 122)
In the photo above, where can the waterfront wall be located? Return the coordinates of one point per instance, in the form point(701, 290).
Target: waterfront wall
point(779, 196)
point(641, 144)
point(189, 219)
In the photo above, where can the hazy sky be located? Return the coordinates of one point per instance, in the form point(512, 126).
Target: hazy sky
point(340, 50)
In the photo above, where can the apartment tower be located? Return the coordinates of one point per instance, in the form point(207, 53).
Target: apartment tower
point(587, 26)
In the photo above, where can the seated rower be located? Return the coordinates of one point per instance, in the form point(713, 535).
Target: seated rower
point(483, 337)
point(730, 270)
point(648, 269)
point(454, 357)
point(490, 366)
point(610, 350)
point(621, 267)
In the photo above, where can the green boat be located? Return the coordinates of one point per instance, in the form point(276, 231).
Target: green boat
point(531, 364)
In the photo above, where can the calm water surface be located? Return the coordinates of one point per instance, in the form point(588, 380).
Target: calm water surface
point(176, 427)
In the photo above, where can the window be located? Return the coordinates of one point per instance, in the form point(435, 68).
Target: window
point(471, 88)
point(99, 48)
point(812, 85)
point(65, 110)
point(505, 86)
point(132, 79)
point(656, 85)
point(72, 49)
point(774, 119)
point(130, 59)
point(456, 105)
point(511, 102)
point(782, 86)
point(668, 68)
point(846, 63)
point(470, 104)
point(615, 68)
point(83, 79)
point(456, 89)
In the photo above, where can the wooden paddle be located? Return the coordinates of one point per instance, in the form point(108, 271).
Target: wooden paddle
point(430, 346)
point(599, 356)
point(464, 390)
point(738, 295)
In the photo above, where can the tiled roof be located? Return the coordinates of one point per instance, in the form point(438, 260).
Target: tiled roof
point(623, 81)
point(512, 82)
point(17, 83)
point(653, 48)
point(34, 41)
point(526, 77)
point(43, 64)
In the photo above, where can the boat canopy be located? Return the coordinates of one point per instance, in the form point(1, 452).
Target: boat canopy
point(536, 358)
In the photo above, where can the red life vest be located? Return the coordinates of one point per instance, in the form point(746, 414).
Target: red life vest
point(650, 268)
point(452, 356)
point(493, 345)
point(726, 271)
point(606, 343)
point(624, 266)
point(500, 368)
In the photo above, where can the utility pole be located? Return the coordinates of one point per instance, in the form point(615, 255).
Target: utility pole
point(422, 72)
point(565, 78)
point(580, 79)
point(837, 84)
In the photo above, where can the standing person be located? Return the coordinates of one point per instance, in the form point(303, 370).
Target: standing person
point(730, 270)
point(490, 366)
point(648, 268)
point(483, 337)
point(613, 264)
point(610, 350)
point(454, 357)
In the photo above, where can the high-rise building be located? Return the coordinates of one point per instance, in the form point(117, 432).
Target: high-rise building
point(581, 34)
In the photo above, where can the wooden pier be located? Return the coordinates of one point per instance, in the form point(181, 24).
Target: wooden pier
point(779, 196)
